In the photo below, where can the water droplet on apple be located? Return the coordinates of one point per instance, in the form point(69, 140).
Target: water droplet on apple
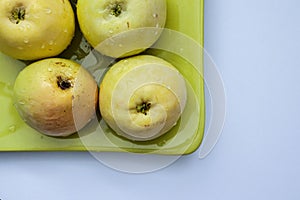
point(155, 15)
point(26, 41)
point(68, 74)
point(49, 70)
point(22, 28)
point(111, 31)
point(169, 88)
point(12, 128)
point(161, 143)
point(36, 16)
point(43, 46)
point(28, 26)
point(120, 45)
point(20, 48)
point(51, 42)
point(66, 30)
point(21, 102)
point(48, 11)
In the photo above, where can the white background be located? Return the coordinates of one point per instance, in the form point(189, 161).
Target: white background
point(256, 46)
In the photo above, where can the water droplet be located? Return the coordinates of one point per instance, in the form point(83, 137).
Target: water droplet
point(51, 42)
point(36, 16)
point(68, 74)
point(49, 69)
point(20, 48)
point(155, 15)
point(120, 45)
point(22, 28)
point(12, 128)
point(43, 46)
point(168, 87)
point(162, 143)
point(66, 30)
point(5, 89)
point(26, 41)
point(21, 102)
point(110, 31)
point(28, 26)
point(48, 11)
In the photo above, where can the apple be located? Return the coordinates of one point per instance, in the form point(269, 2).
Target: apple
point(142, 97)
point(127, 27)
point(56, 96)
point(35, 29)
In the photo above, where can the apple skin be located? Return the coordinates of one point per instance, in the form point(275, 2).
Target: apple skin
point(46, 30)
point(56, 96)
point(131, 84)
point(136, 26)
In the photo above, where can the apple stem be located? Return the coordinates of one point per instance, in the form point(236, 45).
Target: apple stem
point(17, 14)
point(143, 108)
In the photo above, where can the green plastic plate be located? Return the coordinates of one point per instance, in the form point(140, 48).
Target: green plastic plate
point(185, 17)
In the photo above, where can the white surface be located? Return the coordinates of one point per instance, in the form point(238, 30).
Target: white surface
point(255, 44)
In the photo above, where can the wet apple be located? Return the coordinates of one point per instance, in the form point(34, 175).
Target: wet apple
point(35, 29)
point(127, 27)
point(142, 97)
point(56, 96)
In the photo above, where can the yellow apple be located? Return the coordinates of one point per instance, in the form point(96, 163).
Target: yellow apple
point(142, 97)
point(35, 29)
point(127, 27)
point(56, 96)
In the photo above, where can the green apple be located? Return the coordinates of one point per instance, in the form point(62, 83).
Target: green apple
point(142, 97)
point(56, 96)
point(35, 29)
point(127, 27)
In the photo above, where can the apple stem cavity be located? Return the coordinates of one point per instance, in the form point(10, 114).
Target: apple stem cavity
point(18, 14)
point(63, 83)
point(143, 108)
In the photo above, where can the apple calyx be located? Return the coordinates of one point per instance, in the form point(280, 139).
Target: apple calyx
point(143, 108)
point(64, 83)
point(116, 8)
point(18, 14)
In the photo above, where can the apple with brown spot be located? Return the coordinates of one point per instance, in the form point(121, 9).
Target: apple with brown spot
point(56, 96)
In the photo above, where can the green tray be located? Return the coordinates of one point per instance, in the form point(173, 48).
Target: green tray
point(185, 17)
